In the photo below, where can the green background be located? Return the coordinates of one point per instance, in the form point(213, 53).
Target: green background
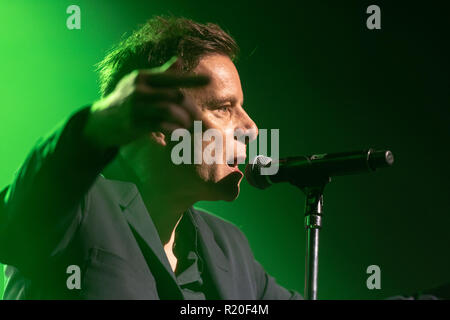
point(311, 69)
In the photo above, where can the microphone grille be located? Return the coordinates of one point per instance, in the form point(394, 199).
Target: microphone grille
point(253, 172)
point(380, 159)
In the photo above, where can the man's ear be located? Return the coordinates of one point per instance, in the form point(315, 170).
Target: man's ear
point(159, 138)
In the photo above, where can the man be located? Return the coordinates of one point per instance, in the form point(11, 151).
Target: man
point(101, 198)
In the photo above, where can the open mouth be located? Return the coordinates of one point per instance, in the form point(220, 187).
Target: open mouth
point(233, 163)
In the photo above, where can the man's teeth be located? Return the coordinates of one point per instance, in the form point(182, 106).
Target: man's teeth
point(235, 161)
point(232, 162)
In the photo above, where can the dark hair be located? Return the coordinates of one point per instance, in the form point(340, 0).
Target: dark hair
point(159, 39)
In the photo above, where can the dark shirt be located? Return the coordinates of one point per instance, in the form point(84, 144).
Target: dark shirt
point(190, 265)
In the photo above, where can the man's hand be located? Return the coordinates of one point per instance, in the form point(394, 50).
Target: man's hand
point(143, 101)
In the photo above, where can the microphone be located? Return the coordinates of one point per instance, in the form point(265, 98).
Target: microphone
point(305, 171)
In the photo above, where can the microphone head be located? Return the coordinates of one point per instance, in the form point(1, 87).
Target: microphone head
point(380, 159)
point(253, 172)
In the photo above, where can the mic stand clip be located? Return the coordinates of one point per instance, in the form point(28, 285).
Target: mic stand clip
point(313, 224)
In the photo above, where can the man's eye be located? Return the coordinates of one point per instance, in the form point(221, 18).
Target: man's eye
point(224, 108)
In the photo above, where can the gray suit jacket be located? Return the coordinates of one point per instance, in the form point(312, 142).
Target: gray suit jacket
point(60, 212)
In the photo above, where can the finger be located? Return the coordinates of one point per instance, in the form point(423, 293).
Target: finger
point(163, 76)
point(172, 80)
point(190, 106)
point(167, 127)
point(146, 114)
point(186, 106)
point(166, 66)
point(178, 114)
point(150, 95)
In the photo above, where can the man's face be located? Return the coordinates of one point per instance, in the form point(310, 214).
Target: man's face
point(220, 107)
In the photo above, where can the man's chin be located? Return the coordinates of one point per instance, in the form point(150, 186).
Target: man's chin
point(228, 188)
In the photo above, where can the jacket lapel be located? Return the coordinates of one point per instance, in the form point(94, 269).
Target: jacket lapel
point(138, 218)
point(218, 264)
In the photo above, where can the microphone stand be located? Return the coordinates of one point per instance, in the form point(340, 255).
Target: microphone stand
point(312, 179)
point(313, 224)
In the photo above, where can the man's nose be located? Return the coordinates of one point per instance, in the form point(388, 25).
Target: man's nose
point(248, 127)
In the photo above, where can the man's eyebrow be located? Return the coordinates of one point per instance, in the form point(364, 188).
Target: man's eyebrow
point(215, 101)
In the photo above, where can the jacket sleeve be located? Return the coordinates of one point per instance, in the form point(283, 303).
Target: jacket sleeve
point(44, 202)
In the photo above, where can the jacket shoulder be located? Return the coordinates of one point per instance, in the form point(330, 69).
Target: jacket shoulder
point(224, 231)
point(214, 221)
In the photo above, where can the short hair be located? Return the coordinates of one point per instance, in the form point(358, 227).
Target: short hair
point(159, 39)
